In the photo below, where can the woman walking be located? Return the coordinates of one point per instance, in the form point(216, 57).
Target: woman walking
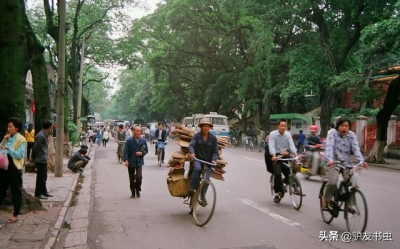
point(30, 139)
point(14, 144)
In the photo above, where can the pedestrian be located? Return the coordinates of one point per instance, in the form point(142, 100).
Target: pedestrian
point(100, 135)
point(30, 139)
point(300, 141)
point(89, 135)
point(79, 160)
point(134, 152)
point(40, 156)
point(128, 132)
point(147, 133)
point(94, 136)
point(106, 137)
point(14, 144)
point(261, 139)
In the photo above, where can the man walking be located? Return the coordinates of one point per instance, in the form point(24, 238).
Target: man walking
point(39, 156)
point(134, 152)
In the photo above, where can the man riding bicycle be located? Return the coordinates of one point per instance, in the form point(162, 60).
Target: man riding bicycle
point(280, 143)
point(203, 146)
point(161, 135)
point(121, 136)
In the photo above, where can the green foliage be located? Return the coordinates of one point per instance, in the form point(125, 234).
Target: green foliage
point(369, 112)
point(73, 136)
point(342, 112)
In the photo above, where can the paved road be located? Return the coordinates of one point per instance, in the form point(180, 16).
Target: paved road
point(245, 217)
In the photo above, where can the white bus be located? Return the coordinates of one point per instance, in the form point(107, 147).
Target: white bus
point(190, 121)
point(220, 123)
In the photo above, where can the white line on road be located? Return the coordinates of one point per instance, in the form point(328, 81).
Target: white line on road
point(270, 213)
point(261, 161)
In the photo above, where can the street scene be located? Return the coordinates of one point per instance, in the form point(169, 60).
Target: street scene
point(199, 124)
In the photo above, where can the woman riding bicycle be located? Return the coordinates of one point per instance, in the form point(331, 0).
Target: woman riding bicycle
point(339, 144)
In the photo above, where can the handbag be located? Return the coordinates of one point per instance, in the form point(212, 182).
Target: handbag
point(3, 160)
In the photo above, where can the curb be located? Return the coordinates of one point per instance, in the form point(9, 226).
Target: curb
point(61, 216)
point(387, 166)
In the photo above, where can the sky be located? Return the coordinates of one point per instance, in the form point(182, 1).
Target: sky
point(134, 13)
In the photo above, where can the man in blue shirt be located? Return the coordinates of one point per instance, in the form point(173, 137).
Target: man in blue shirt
point(204, 146)
point(300, 140)
point(134, 151)
point(280, 143)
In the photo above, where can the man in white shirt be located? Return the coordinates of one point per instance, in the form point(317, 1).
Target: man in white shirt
point(280, 144)
point(128, 132)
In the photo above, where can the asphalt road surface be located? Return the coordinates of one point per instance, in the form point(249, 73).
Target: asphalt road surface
point(245, 214)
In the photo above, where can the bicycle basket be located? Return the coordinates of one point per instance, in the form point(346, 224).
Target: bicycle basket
point(160, 144)
point(295, 166)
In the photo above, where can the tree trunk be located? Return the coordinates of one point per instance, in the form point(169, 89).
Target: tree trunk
point(41, 86)
point(51, 161)
point(13, 61)
point(392, 100)
point(328, 104)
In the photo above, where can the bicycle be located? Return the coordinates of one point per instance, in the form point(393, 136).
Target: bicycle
point(248, 144)
point(355, 205)
point(160, 150)
point(202, 202)
point(295, 189)
point(120, 150)
point(234, 142)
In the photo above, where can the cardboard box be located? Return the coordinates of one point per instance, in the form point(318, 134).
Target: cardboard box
point(178, 187)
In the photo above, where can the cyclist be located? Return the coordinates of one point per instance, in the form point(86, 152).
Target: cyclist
point(339, 144)
point(161, 134)
point(121, 136)
point(312, 143)
point(280, 143)
point(203, 146)
point(250, 134)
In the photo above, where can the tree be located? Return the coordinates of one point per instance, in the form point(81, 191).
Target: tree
point(380, 49)
point(13, 60)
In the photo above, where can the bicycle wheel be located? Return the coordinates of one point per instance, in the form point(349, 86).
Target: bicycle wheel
point(327, 217)
point(296, 192)
point(159, 157)
point(356, 211)
point(205, 199)
point(120, 156)
point(271, 180)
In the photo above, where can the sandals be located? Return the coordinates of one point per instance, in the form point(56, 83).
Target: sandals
point(11, 220)
point(324, 206)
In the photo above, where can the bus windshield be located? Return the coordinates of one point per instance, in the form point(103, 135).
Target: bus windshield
point(219, 121)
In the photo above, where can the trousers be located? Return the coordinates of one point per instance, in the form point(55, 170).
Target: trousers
point(41, 178)
point(11, 178)
point(278, 168)
point(135, 179)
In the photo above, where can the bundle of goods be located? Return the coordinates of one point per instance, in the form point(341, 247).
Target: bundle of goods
point(178, 176)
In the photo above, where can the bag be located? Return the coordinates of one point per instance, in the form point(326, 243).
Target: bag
point(3, 160)
point(269, 163)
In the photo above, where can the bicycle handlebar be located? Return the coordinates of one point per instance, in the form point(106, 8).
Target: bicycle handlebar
point(340, 165)
point(212, 164)
point(280, 158)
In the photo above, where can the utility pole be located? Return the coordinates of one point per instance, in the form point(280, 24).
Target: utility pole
point(60, 92)
point(79, 107)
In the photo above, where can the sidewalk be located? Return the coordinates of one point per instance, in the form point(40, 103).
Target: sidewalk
point(40, 229)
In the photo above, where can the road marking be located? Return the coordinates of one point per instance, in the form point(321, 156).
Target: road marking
point(261, 161)
point(270, 213)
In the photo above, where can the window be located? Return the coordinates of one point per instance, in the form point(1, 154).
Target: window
point(297, 124)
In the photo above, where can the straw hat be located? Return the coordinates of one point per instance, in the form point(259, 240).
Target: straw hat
point(205, 121)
